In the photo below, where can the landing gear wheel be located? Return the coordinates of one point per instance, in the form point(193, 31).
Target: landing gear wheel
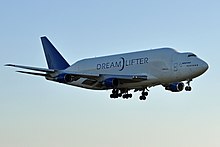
point(115, 93)
point(113, 96)
point(142, 97)
point(145, 93)
point(188, 88)
point(126, 96)
point(120, 95)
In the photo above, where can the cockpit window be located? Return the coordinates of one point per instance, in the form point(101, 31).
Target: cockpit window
point(191, 55)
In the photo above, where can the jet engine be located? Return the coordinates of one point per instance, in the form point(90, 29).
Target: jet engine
point(175, 87)
point(111, 82)
point(64, 78)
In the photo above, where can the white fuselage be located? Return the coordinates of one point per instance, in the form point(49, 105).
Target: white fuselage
point(161, 66)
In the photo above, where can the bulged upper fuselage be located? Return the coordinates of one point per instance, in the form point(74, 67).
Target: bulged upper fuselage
point(161, 66)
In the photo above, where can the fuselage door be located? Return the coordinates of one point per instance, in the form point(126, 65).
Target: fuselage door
point(175, 67)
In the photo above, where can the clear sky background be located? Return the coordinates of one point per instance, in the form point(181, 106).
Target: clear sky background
point(39, 113)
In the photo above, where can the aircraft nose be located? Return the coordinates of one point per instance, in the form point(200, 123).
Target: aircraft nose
point(204, 66)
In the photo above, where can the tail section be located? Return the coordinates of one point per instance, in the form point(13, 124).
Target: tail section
point(53, 57)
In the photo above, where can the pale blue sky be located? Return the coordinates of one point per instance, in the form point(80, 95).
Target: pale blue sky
point(35, 112)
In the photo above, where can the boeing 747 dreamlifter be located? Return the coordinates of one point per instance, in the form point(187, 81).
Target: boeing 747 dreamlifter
point(136, 71)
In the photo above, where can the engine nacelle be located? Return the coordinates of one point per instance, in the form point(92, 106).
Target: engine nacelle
point(64, 78)
point(175, 87)
point(111, 82)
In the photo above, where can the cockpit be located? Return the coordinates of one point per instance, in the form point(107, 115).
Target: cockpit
point(191, 55)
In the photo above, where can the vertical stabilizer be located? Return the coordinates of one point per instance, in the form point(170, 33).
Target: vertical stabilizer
point(53, 57)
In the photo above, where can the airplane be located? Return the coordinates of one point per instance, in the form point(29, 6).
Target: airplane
point(122, 73)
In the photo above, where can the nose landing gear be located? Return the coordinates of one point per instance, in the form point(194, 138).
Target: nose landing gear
point(188, 87)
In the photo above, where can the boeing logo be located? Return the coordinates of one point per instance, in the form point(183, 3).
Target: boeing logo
point(122, 63)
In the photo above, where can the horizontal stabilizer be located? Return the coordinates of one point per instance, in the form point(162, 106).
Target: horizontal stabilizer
point(33, 73)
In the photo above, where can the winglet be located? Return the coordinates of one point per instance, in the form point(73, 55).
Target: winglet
point(54, 59)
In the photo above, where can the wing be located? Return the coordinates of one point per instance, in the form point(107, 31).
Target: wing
point(133, 77)
point(107, 76)
point(32, 68)
point(108, 81)
point(88, 79)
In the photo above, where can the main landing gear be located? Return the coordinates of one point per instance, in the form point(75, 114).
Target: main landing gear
point(143, 95)
point(188, 87)
point(116, 93)
point(123, 93)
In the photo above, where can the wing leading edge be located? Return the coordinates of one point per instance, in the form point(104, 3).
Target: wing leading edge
point(32, 68)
